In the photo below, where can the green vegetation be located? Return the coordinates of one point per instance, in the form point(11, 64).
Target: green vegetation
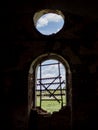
point(51, 105)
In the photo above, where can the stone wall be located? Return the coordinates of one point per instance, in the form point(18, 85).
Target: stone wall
point(20, 46)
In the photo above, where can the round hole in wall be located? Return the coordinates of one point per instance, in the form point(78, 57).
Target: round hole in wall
point(48, 22)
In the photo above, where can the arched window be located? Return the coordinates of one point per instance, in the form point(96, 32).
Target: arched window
point(49, 84)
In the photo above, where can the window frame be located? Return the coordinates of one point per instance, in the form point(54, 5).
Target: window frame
point(32, 78)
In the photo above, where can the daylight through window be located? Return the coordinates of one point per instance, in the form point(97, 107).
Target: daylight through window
point(48, 22)
point(51, 86)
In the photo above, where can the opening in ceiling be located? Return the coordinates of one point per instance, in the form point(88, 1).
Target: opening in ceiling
point(49, 22)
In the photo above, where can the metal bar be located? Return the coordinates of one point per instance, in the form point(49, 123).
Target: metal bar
point(49, 83)
point(49, 64)
point(48, 78)
point(57, 89)
point(49, 92)
point(40, 87)
point(50, 100)
point(50, 89)
point(60, 84)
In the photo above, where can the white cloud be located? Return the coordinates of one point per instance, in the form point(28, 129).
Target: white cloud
point(58, 30)
point(52, 71)
point(53, 17)
point(42, 22)
point(50, 17)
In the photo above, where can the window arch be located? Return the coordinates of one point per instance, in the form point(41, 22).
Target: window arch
point(32, 79)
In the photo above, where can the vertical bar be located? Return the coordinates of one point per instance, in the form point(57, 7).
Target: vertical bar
point(40, 88)
point(34, 91)
point(60, 83)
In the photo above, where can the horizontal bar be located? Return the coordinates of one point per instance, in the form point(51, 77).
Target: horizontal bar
point(50, 95)
point(49, 64)
point(50, 99)
point(52, 83)
point(49, 78)
point(50, 90)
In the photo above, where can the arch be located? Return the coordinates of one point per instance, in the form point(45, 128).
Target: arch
point(32, 79)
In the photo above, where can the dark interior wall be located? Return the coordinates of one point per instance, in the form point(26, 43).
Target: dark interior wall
point(84, 85)
point(21, 44)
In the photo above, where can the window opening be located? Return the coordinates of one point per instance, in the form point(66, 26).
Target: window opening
point(48, 22)
point(51, 86)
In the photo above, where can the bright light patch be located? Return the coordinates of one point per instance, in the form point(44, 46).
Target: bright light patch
point(50, 23)
point(48, 71)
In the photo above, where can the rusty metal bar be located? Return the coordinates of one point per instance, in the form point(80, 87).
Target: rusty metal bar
point(51, 100)
point(50, 92)
point(48, 83)
point(40, 88)
point(49, 64)
point(60, 84)
point(48, 78)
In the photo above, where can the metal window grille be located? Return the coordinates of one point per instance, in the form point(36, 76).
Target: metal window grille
point(48, 93)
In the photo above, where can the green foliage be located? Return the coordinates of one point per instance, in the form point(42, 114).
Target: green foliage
point(51, 105)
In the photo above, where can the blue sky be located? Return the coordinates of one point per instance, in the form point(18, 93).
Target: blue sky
point(50, 23)
point(52, 71)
